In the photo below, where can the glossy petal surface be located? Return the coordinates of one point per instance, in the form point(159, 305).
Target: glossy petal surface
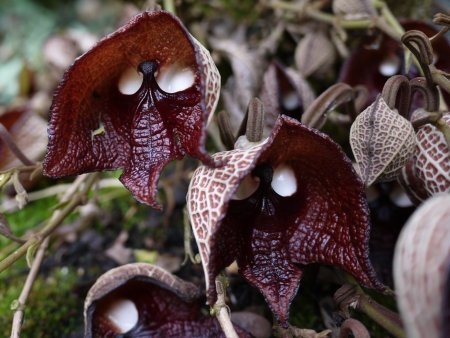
point(94, 126)
point(271, 236)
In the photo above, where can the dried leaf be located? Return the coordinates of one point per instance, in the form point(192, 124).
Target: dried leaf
point(315, 54)
point(98, 123)
point(421, 268)
point(275, 207)
point(381, 141)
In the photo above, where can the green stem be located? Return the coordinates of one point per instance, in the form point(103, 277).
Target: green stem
point(169, 6)
point(440, 78)
point(77, 198)
point(351, 295)
point(386, 318)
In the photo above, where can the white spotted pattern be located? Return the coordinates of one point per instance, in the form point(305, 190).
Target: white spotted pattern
point(211, 189)
point(211, 78)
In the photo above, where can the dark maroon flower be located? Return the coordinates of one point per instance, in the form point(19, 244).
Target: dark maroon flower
point(142, 300)
point(373, 62)
point(99, 122)
point(292, 200)
point(284, 91)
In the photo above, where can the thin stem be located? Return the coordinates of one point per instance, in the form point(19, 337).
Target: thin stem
point(19, 312)
point(443, 20)
point(440, 78)
point(419, 44)
point(386, 318)
point(353, 296)
point(355, 327)
point(397, 94)
point(338, 94)
point(169, 6)
point(222, 311)
point(429, 93)
point(73, 199)
point(390, 19)
point(6, 137)
point(226, 133)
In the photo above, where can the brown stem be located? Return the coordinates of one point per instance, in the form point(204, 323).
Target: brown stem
point(226, 134)
point(397, 94)
point(419, 44)
point(338, 94)
point(440, 78)
point(443, 20)
point(355, 327)
point(6, 137)
point(430, 117)
point(429, 93)
point(353, 296)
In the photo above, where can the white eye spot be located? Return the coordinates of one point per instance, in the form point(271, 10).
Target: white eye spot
point(284, 182)
point(246, 188)
point(130, 81)
point(390, 65)
point(175, 79)
point(123, 314)
point(399, 197)
point(290, 100)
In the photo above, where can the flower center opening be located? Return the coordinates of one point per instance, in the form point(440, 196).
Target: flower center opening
point(390, 65)
point(130, 81)
point(399, 197)
point(284, 182)
point(175, 78)
point(123, 314)
point(247, 187)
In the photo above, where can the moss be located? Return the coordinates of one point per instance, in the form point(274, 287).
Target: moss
point(53, 308)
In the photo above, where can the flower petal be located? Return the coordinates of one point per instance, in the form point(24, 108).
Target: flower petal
point(94, 126)
point(324, 220)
